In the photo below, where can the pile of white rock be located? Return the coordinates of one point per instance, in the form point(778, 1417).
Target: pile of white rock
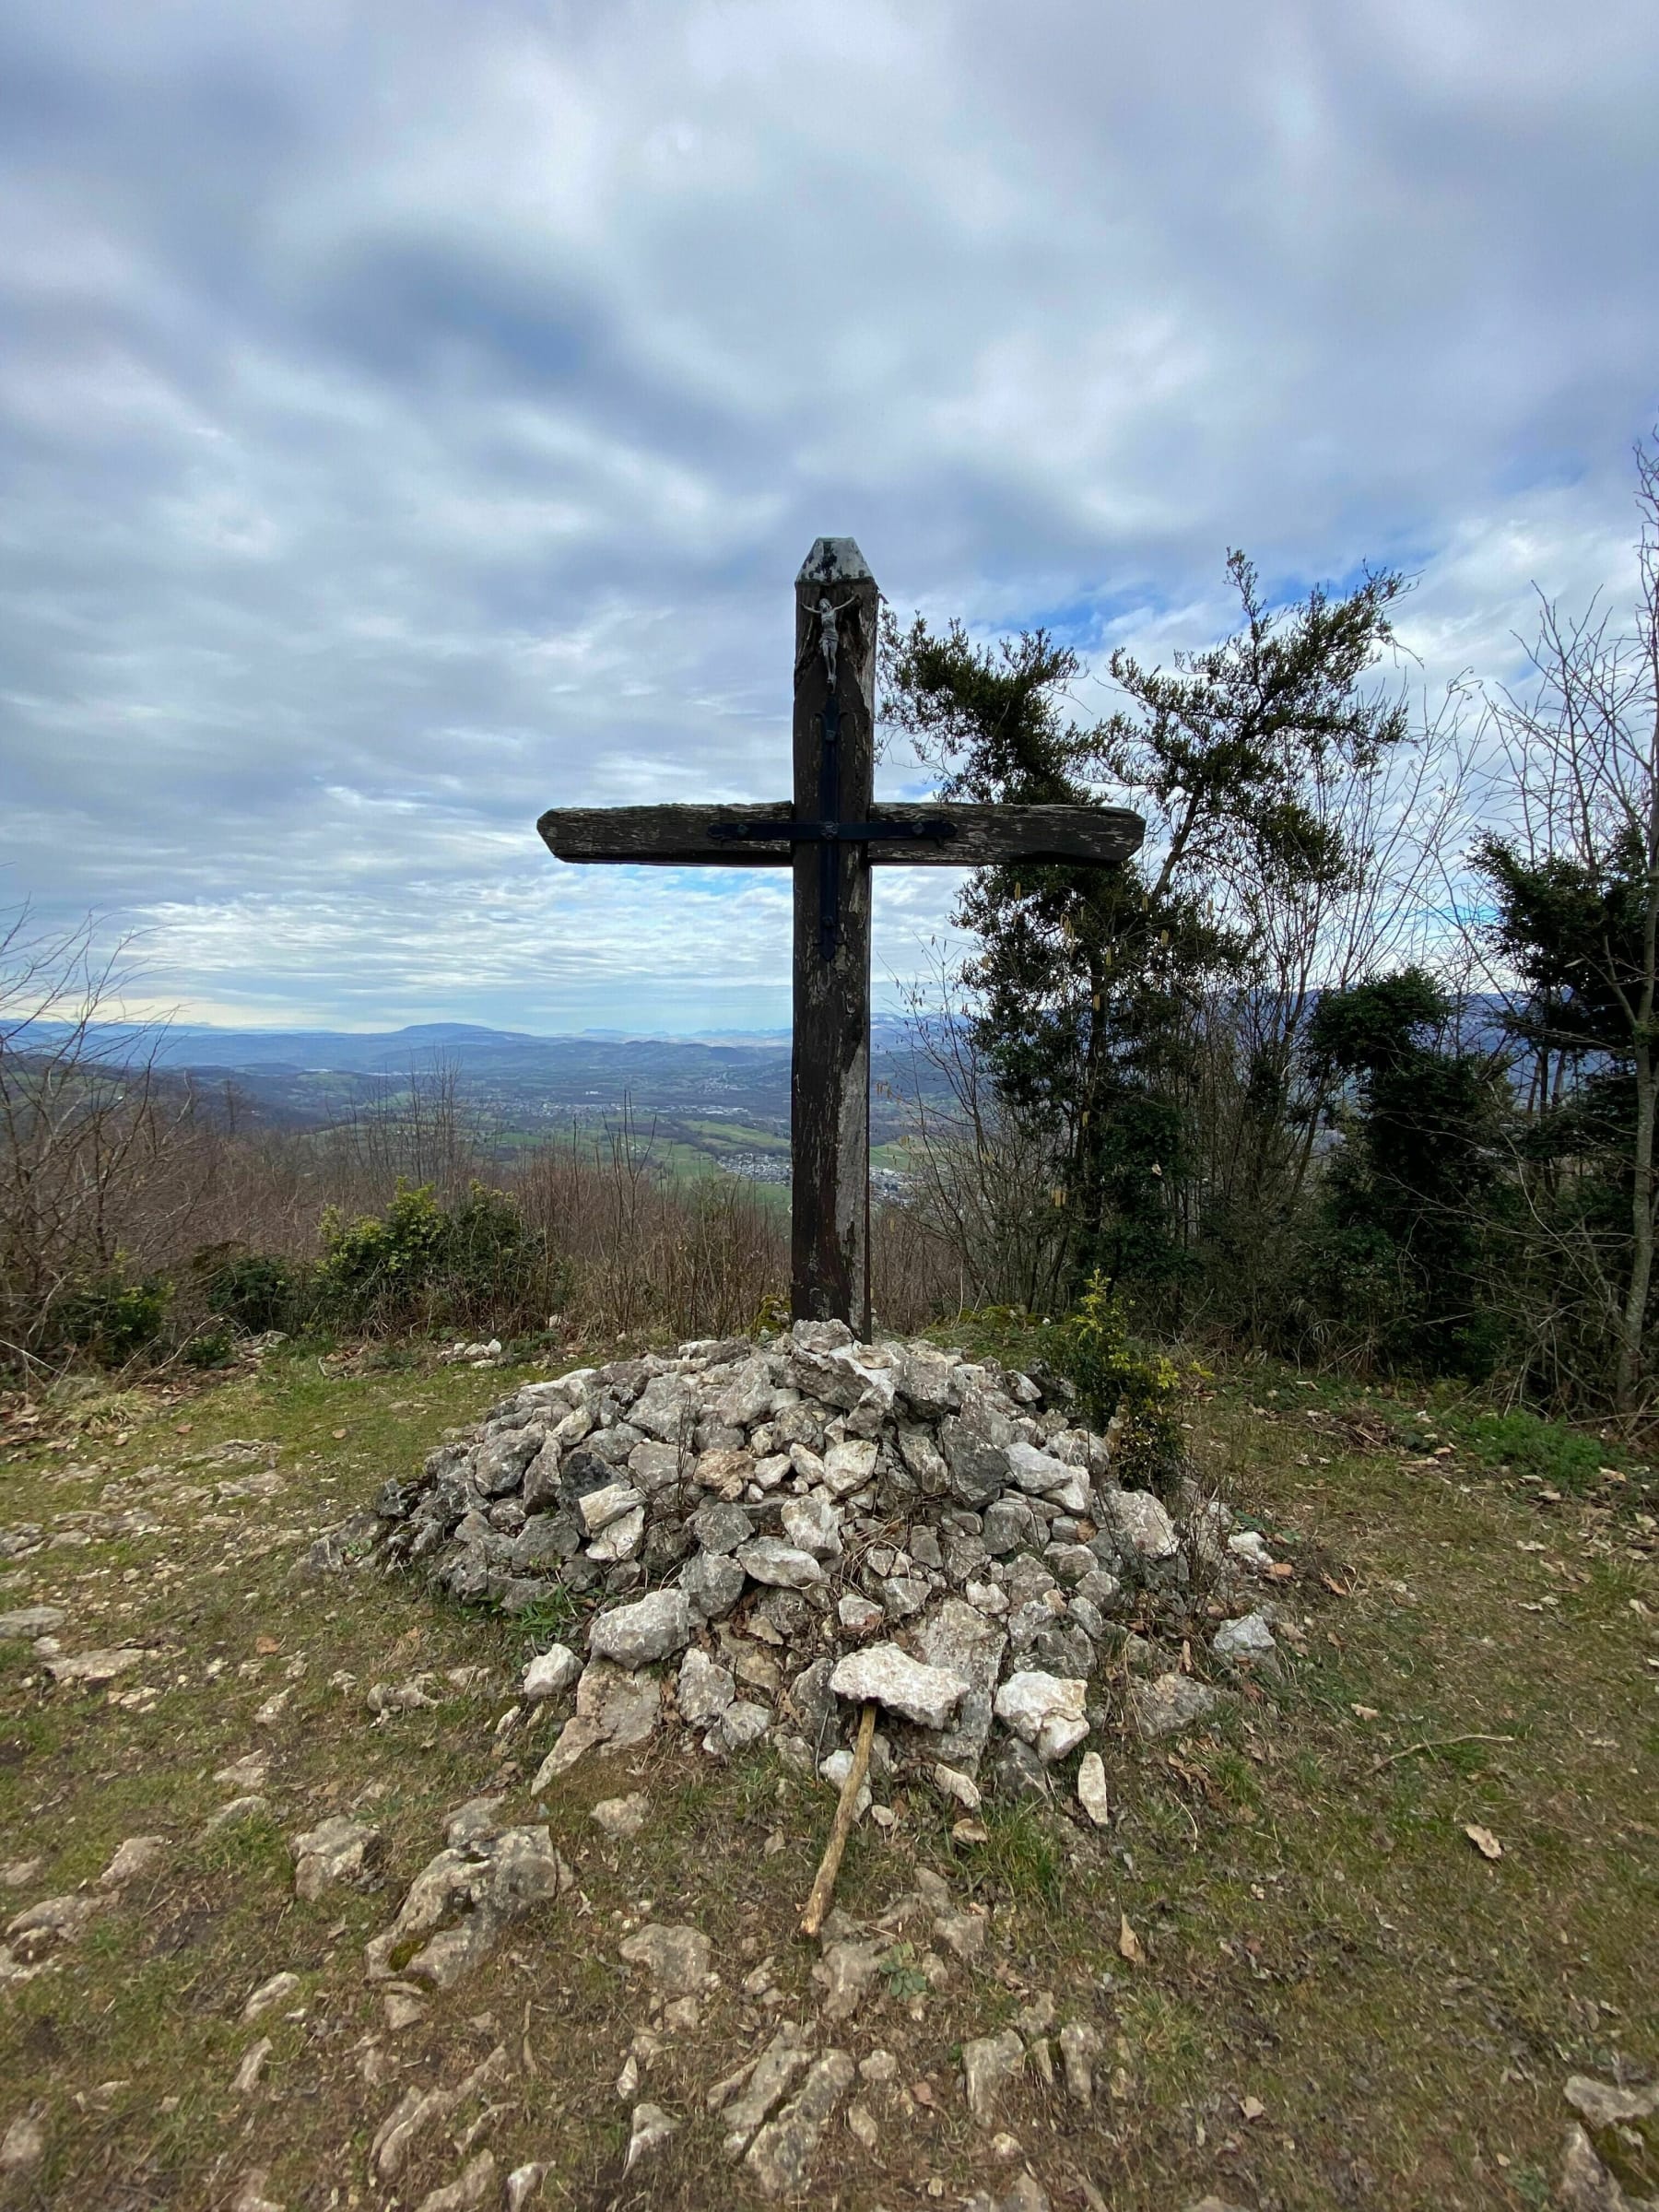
point(757, 1538)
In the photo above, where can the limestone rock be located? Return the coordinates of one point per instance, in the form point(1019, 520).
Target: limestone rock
point(1599, 2104)
point(1091, 1788)
point(844, 1972)
point(23, 2146)
point(615, 1710)
point(634, 1636)
point(848, 1466)
point(720, 1528)
point(713, 1585)
point(276, 1990)
point(460, 1902)
point(471, 2187)
point(978, 1468)
point(474, 1822)
point(137, 1855)
point(927, 1695)
point(655, 1468)
point(600, 1507)
point(1249, 1640)
point(740, 1723)
point(783, 2059)
point(1044, 1477)
point(30, 1621)
point(781, 2155)
point(958, 1637)
point(704, 1689)
point(1140, 1524)
point(550, 1672)
point(620, 1818)
point(1079, 2048)
point(621, 1539)
point(39, 1928)
point(676, 1960)
point(926, 1380)
point(649, 2129)
point(769, 1560)
point(1169, 1704)
point(245, 1773)
point(337, 1851)
point(665, 1408)
point(239, 1809)
point(1045, 1711)
point(1586, 2184)
point(523, 2183)
point(857, 1615)
point(835, 1771)
point(812, 1524)
point(989, 2064)
point(1248, 1548)
point(92, 1669)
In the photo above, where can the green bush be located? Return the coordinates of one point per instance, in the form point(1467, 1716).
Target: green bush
point(1564, 1457)
point(257, 1290)
point(421, 1264)
point(377, 1266)
point(214, 1348)
point(1113, 1378)
point(113, 1316)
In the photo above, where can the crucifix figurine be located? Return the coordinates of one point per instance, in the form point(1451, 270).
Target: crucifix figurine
point(834, 811)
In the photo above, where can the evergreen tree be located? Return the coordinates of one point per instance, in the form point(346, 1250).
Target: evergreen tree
point(1408, 1195)
point(1085, 980)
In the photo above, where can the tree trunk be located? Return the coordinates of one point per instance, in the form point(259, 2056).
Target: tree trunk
point(1633, 1322)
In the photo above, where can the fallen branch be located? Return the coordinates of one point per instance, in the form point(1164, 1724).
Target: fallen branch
point(1439, 1743)
point(823, 1886)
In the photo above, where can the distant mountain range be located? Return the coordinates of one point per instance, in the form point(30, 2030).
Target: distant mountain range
point(468, 1046)
point(717, 1092)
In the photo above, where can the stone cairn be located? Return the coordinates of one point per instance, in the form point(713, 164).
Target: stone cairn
point(807, 1525)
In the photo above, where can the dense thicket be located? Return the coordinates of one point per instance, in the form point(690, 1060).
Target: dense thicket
point(1358, 1057)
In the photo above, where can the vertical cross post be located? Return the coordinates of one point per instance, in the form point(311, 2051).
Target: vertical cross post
point(836, 602)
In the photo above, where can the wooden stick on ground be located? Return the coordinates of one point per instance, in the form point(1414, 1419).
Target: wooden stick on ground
point(823, 1887)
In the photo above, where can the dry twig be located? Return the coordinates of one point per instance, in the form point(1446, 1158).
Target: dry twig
point(823, 1884)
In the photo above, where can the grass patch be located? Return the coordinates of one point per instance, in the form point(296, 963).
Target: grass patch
point(1318, 1933)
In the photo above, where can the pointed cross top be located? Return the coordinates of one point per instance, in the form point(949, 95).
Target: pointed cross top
point(835, 561)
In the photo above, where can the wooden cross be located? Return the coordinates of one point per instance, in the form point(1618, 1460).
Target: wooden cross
point(830, 836)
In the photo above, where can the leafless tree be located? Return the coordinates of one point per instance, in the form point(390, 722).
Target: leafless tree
point(1577, 790)
point(984, 1183)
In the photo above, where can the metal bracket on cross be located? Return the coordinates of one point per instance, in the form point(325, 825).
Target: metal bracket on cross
point(829, 830)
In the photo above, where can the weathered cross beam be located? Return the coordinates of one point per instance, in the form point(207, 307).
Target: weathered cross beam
point(832, 835)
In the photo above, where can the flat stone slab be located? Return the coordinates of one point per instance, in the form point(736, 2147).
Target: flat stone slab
point(1171, 1704)
point(676, 1959)
point(890, 1677)
point(30, 1621)
point(786, 1566)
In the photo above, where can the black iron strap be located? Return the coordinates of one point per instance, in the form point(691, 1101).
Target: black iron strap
point(828, 830)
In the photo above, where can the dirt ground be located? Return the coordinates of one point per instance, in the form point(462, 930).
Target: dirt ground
point(1306, 1984)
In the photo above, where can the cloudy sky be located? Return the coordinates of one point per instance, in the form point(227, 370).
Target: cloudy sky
point(412, 416)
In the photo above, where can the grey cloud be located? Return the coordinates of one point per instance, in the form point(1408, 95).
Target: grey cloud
point(412, 416)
